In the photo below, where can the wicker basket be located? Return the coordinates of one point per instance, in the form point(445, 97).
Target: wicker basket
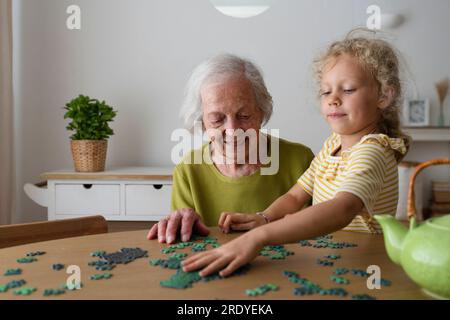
point(417, 170)
point(89, 155)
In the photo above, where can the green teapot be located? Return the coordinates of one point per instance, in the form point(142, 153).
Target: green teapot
point(424, 250)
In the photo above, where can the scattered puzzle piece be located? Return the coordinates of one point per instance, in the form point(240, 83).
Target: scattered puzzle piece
point(101, 276)
point(326, 242)
point(124, 256)
point(385, 283)
point(102, 265)
point(197, 247)
point(325, 263)
point(26, 260)
point(275, 252)
point(37, 253)
point(167, 250)
point(53, 292)
point(261, 290)
point(333, 256)
point(340, 292)
point(13, 272)
point(362, 297)
point(179, 255)
point(341, 271)
point(305, 243)
point(24, 291)
point(98, 253)
point(171, 263)
point(57, 266)
point(359, 272)
point(181, 280)
point(309, 288)
point(16, 284)
point(339, 280)
point(184, 280)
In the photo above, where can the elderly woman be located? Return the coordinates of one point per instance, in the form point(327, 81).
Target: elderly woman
point(227, 93)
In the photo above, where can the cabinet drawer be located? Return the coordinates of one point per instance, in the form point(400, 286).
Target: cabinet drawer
point(147, 200)
point(87, 199)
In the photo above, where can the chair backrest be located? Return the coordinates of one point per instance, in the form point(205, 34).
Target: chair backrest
point(15, 235)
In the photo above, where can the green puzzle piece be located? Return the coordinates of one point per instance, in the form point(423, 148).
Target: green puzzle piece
point(181, 280)
point(24, 291)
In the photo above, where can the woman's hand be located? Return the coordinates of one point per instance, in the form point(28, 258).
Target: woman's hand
point(239, 221)
point(228, 258)
point(183, 221)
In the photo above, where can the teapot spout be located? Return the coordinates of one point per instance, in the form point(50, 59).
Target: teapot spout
point(394, 236)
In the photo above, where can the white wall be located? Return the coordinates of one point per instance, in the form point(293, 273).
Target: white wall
point(137, 55)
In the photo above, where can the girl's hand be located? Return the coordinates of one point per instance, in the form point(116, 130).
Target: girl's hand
point(227, 258)
point(239, 221)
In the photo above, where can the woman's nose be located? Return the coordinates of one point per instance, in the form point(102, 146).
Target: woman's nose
point(231, 124)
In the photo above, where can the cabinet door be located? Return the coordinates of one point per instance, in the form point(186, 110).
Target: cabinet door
point(147, 200)
point(87, 199)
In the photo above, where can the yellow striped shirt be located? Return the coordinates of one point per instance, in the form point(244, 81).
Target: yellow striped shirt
point(368, 170)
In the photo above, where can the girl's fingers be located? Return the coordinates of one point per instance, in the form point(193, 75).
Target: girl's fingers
point(233, 266)
point(222, 218)
point(227, 223)
point(215, 266)
point(243, 226)
point(200, 262)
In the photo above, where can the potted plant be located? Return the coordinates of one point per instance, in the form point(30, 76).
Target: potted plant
point(90, 118)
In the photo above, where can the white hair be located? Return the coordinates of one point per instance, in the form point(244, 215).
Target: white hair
point(221, 68)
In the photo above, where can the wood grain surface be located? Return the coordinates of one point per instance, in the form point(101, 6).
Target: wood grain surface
point(140, 280)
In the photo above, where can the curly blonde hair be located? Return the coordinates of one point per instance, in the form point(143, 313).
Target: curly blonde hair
point(381, 60)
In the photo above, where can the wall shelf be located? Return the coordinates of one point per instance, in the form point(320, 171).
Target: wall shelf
point(429, 133)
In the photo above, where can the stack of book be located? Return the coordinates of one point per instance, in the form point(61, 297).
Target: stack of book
point(441, 198)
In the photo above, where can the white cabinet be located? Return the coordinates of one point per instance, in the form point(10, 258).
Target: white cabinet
point(81, 199)
point(140, 200)
point(123, 194)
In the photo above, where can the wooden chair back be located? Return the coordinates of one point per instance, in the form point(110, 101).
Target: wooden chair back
point(19, 234)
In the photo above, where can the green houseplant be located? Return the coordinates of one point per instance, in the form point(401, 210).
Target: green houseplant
point(90, 121)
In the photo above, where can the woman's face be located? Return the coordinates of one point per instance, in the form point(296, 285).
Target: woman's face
point(228, 106)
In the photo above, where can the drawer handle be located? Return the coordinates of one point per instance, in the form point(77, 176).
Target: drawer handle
point(87, 186)
point(158, 186)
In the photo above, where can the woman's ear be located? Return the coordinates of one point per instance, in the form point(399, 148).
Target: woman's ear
point(386, 98)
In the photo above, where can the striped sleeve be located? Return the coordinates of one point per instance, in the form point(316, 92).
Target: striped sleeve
point(306, 181)
point(365, 174)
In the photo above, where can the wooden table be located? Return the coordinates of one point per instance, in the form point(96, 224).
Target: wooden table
point(140, 280)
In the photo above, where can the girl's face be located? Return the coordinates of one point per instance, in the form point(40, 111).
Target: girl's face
point(350, 97)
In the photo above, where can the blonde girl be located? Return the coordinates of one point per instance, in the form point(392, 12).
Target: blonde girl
point(353, 177)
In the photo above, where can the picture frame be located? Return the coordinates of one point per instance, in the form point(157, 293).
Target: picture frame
point(417, 113)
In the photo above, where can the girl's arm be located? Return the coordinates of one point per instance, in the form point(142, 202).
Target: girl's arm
point(292, 201)
point(311, 222)
point(320, 219)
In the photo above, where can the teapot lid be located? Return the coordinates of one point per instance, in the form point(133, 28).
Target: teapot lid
point(441, 222)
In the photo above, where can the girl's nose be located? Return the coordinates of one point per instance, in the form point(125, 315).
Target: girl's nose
point(334, 101)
